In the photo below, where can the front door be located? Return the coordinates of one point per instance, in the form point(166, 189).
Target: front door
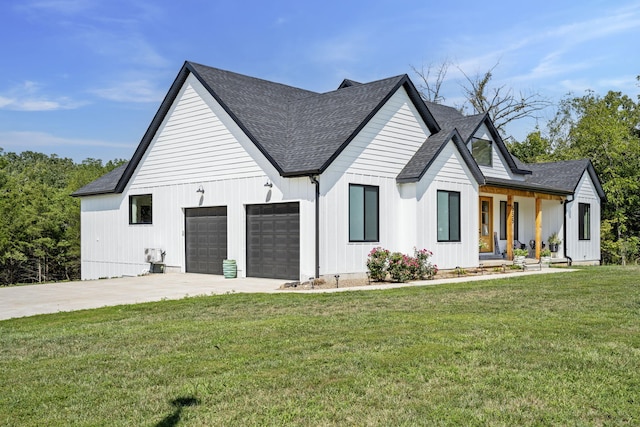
point(486, 224)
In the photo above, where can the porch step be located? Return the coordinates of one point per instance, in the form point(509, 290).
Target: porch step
point(529, 262)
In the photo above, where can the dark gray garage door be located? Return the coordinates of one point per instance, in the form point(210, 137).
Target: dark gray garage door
point(206, 239)
point(273, 241)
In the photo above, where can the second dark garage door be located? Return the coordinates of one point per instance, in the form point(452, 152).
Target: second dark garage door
point(206, 239)
point(273, 241)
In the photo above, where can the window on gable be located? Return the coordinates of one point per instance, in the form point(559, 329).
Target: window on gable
point(448, 216)
point(584, 221)
point(481, 151)
point(503, 220)
point(363, 213)
point(140, 209)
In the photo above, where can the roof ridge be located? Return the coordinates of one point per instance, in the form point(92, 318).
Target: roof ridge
point(245, 76)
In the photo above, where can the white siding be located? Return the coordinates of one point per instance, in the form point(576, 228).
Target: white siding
point(374, 157)
point(584, 250)
point(448, 172)
point(197, 145)
point(387, 142)
point(196, 142)
point(499, 167)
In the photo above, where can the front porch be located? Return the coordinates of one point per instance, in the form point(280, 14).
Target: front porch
point(511, 218)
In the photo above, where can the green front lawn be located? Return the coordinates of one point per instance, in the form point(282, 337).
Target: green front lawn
point(559, 349)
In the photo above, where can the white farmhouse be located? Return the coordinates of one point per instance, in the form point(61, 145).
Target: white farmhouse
point(294, 184)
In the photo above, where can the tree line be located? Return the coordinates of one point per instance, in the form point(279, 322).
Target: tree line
point(39, 221)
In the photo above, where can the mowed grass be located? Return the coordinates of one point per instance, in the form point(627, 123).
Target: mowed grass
point(560, 349)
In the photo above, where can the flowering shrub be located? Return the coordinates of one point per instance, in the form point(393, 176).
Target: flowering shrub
point(377, 264)
point(426, 269)
point(400, 267)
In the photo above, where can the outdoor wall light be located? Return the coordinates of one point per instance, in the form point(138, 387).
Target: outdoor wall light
point(268, 183)
point(200, 189)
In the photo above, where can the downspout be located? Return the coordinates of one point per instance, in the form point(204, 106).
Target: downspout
point(564, 231)
point(314, 180)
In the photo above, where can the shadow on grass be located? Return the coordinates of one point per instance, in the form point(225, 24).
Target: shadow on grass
point(174, 418)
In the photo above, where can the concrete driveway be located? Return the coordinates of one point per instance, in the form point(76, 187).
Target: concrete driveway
point(21, 301)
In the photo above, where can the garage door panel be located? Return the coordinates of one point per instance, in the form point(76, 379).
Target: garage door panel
point(273, 241)
point(206, 239)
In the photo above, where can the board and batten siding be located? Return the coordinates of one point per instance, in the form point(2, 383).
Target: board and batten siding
point(197, 145)
point(374, 157)
point(198, 141)
point(450, 173)
point(385, 145)
point(499, 168)
point(587, 251)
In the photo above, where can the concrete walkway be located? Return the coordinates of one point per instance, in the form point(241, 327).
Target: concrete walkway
point(21, 301)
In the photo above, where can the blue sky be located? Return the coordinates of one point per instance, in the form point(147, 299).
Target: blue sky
point(83, 78)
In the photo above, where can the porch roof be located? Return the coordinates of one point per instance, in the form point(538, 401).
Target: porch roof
point(526, 186)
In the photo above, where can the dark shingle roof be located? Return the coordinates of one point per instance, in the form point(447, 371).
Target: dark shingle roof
point(562, 177)
point(299, 131)
point(320, 126)
point(564, 174)
point(426, 154)
point(105, 184)
point(443, 113)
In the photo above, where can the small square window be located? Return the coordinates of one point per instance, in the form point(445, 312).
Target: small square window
point(482, 152)
point(140, 209)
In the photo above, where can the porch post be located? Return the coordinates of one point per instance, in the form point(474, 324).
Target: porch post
point(538, 226)
point(509, 226)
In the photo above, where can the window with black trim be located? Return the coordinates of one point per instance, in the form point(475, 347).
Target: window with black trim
point(584, 221)
point(448, 206)
point(363, 213)
point(481, 149)
point(140, 209)
point(503, 220)
point(516, 220)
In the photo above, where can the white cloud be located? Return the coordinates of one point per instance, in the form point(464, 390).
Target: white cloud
point(131, 91)
point(18, 140)
point(556, 44)
point(28, 97)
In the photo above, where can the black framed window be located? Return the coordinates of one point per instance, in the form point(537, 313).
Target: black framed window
point(503, 220)
point(363, 213)
point(516, 220)
point(448, 205)
point(140, 209)
point(584, 221)
point(481, 149)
